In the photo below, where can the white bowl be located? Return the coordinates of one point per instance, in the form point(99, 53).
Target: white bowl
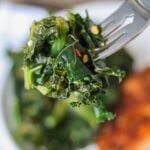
point(138, 48)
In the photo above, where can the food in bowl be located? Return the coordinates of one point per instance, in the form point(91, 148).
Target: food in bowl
point(44, 123)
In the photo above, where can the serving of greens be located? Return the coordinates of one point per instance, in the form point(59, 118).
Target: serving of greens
point(42, 123)
point(58, 61)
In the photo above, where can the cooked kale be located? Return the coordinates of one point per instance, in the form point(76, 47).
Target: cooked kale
point(58, 61)
point(42, 123)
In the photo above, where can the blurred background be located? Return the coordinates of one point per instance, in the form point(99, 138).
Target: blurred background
point(30, 121)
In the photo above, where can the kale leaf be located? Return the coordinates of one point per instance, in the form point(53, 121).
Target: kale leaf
point(58, 61)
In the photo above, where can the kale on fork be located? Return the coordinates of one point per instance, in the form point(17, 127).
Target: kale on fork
point(58, 61)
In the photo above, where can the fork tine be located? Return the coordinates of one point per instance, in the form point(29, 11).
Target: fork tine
point(116, 19)
point(111, 40)
point(118, 31)
point(123, 36)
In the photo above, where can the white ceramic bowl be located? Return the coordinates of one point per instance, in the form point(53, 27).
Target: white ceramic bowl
point(138, 48)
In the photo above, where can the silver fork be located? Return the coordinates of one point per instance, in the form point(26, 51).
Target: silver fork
point(123, 26)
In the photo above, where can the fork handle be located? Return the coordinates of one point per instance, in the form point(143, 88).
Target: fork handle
point(145, 4)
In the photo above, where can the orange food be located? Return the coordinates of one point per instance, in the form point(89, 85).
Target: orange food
point(137, 87)
point(131, 128)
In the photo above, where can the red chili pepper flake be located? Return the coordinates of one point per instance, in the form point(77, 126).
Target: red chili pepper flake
point(78, 53)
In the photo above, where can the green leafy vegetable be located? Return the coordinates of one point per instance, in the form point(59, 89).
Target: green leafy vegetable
point(58, 61)
point(40, 122)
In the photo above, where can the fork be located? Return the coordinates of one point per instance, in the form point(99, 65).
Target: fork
point(123, 26)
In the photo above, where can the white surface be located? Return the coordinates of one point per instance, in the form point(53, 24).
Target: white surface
point(139, 49)
point(14, 32)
